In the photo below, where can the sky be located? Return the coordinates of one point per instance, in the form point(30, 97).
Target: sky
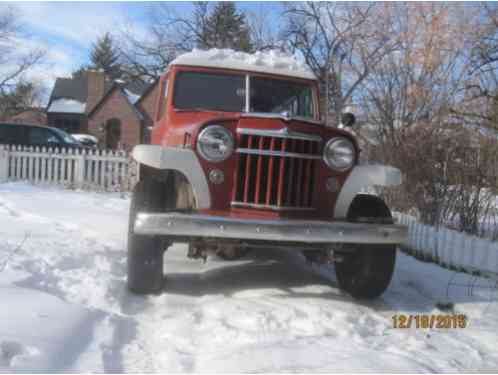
point(66, 30)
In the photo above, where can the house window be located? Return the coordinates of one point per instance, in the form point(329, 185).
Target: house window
point(68, 125)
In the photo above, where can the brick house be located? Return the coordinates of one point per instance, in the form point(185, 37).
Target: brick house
point(117, 113)
point(34, 116)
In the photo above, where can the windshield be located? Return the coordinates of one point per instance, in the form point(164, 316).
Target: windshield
point(66, 137)
point(227, 92)
point(210, 91)
point(279, 96)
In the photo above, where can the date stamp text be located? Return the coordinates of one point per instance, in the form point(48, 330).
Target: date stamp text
point(444, 321)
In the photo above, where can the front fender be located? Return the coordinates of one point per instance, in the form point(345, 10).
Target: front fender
point(363, 176)
point(179, 159)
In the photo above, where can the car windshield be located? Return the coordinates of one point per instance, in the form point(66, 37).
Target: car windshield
point(227, 92)
point(66, 137)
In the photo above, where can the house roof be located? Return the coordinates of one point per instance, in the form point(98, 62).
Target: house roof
point(75, 90)
point(32, 115)
point(132, 91)
point(71, 88)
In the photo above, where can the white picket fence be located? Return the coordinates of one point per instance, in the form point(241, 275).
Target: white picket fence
point(78, 168)
point(450, 248)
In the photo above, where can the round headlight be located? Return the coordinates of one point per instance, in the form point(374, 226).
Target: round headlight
point(215, 143)
point(339, 154)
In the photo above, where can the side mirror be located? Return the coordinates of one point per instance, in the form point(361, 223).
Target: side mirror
point(348, 119)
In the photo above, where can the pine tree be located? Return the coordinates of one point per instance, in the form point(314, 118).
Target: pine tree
point(225, 27)
point(104, 55)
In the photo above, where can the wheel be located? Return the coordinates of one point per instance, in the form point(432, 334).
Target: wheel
point(365, 271)
point(145, 255)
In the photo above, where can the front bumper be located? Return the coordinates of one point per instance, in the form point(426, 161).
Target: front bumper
point(185, 226)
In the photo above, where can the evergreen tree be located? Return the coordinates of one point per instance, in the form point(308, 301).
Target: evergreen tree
point(225, 27)
point(80, 71)
point(104, 55)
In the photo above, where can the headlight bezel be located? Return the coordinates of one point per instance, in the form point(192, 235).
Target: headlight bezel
point(202, 151)
point(334, 142)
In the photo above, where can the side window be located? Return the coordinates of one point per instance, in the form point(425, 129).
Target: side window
point(163, 99)
point(41, 136)
point(3, 134)
point(12, 134)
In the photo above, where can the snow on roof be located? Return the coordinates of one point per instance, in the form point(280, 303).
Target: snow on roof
point(65, 105)
point(133, 98)
point(272, 62)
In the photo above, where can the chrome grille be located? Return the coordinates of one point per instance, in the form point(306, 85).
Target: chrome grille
point(276, 169)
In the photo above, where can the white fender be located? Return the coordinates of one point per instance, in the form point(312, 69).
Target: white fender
point(361, 177)
point(179, 159)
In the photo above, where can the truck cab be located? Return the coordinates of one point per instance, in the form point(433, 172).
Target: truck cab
point(240, 160)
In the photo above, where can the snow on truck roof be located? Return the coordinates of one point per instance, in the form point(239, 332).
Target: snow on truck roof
point(272, 62)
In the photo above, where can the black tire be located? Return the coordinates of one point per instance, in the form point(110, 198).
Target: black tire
point(366, 270)
point(145, 253)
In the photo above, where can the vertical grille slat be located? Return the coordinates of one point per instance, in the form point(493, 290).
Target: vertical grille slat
point(307, 174)
point(276, 172)
point(290, 180)
point(247, 171)
point(281, 175)
point(269, 185)
point(259, 171)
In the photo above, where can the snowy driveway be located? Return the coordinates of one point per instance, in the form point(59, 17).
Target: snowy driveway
point(65, 308)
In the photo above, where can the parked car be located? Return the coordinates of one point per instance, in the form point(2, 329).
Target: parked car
point(86, 139)
point(240, 159)
point(36, 135)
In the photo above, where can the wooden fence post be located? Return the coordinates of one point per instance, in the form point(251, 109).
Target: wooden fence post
point(4, 163)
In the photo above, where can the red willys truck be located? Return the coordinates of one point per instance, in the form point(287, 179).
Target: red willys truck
point(240, 160)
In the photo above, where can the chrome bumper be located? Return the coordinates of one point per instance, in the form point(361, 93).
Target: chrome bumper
point(315, 232)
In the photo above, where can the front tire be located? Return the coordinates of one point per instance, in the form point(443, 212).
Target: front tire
point(365, 271)
point(145, 255)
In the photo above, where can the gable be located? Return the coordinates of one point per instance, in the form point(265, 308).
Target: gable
point(115, 104)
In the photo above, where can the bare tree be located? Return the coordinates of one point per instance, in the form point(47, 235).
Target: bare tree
point(21, 97)
point(418, 83)
point(14, 64)
point(262, 28)
point(341, 43)
point(409, 99)
point(480, 94)
point(170, 33)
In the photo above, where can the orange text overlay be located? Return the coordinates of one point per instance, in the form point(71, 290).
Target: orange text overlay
point(430, 321)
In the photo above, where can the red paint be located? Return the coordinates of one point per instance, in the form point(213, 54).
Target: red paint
point(181, 128)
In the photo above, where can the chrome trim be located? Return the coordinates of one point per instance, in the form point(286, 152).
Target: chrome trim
point(177, 159)
point(270, 206)
point(247, 106)
point(329, 163)
point(281, 117)
point(283, 133)
point(255, 151)
point(182, 225)
point(199, 143)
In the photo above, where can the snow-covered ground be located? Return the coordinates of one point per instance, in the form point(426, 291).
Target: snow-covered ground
point(64, 306)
